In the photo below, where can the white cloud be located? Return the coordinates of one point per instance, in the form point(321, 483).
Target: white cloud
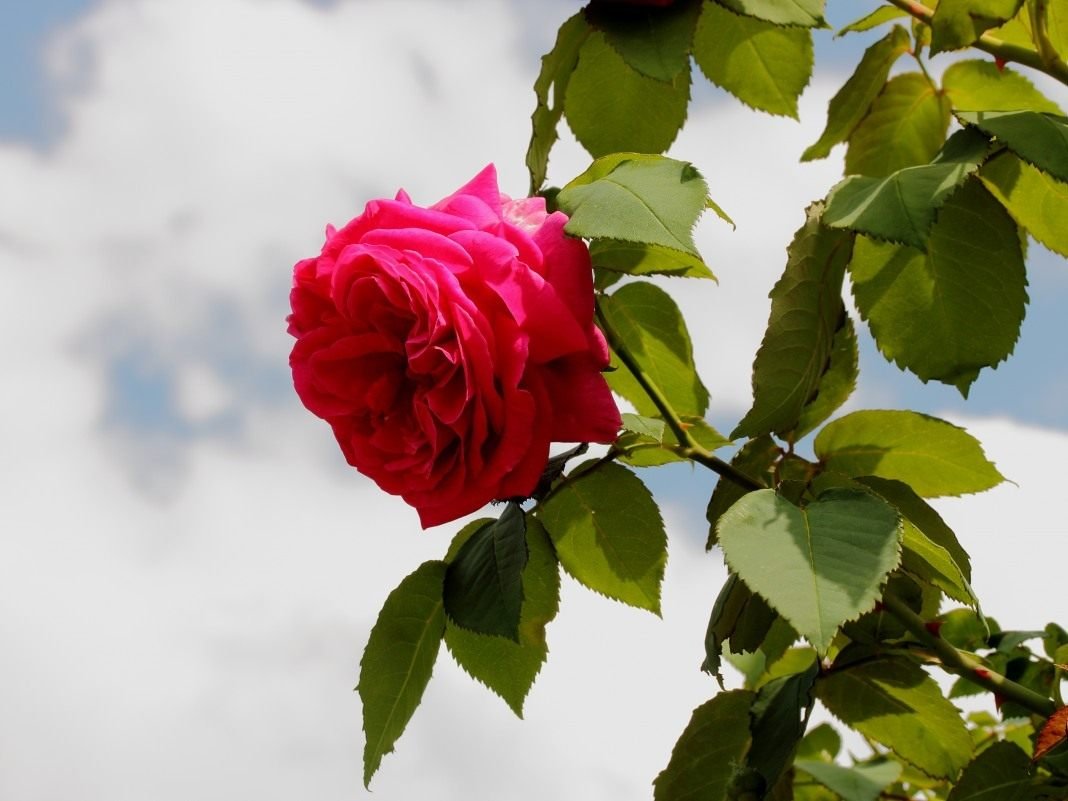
point(202, 640)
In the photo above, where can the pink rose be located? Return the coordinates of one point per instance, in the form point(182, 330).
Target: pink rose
point(448, 346)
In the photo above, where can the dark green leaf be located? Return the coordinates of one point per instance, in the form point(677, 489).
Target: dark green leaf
point(608, 534)
point(930, 455)
point(399, 659)
point(761, 63)
point(483, 585)
point(778, 719)
point(894, 702)
point(1039, 139)
point(612, 108)
point(849, 105)
point(509, 668)
point(556, 68)
point(1036, 201)
point(999, 773)
point(806, 13)
point(837, 551)
point(704, 758)
point(905, 126)
point(738, 617)
point(630, 197)
point(879, 16)
point(959, 23)
point(637, 258)
point(651, 328)
point(755, 459)
point(902, 207)
point(979, 85)
point(655, 41)
point(806, 311)
point(855, 783)
point(837, 382)
point(931, 550)
point(947, 313)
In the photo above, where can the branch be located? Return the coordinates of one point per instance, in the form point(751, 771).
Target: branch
point(687, 447)
point(1039, 11)
point(1051, 65)
point(965, 665)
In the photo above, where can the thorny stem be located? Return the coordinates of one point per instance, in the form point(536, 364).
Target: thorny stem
point(965, 665)
point(687, 447)
point(949, 657)
point(1048, 62)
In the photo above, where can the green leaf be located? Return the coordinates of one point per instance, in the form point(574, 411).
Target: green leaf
point(806, 311)
point(774, 658)
point(505, 667)
point(1036, 201)
point(806, 13)
point(931, 550)
point(822, 743)
point(850, 104)
point(956, 309)
point(895, 703)
point(778, 719)
point(642, 450)
point(609, 535)
point(959, 23)
point(483, 586)
point(999, 773)
point(856, 783)
point(612, 108)
point(651, 328)
point(755, 459)
point(1039, 139)
point(761, 63)
point(399, 659)
point(979, 85)
point(902, 207)
point(905, 126)
point(963, 628)
point(650, 428)
point(631, 197)
point(654, 41)
point(704, 758)
point(878, 17)
point(1054, 637)
point(819, 566)
point(837, 383)
point(637, 258)
point(932, 456)
point(556, 68)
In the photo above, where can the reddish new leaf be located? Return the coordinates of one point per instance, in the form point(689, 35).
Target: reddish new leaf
point(1053, 733)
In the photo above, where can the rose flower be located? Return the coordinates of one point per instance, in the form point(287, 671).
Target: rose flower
point(448, 346)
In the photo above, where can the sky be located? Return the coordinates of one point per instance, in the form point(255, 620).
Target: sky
point(188, 569)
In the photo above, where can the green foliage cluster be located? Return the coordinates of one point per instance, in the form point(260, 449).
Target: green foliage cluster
point(843, 580)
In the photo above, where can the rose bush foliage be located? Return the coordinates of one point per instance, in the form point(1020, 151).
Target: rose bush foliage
point(449, 346)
